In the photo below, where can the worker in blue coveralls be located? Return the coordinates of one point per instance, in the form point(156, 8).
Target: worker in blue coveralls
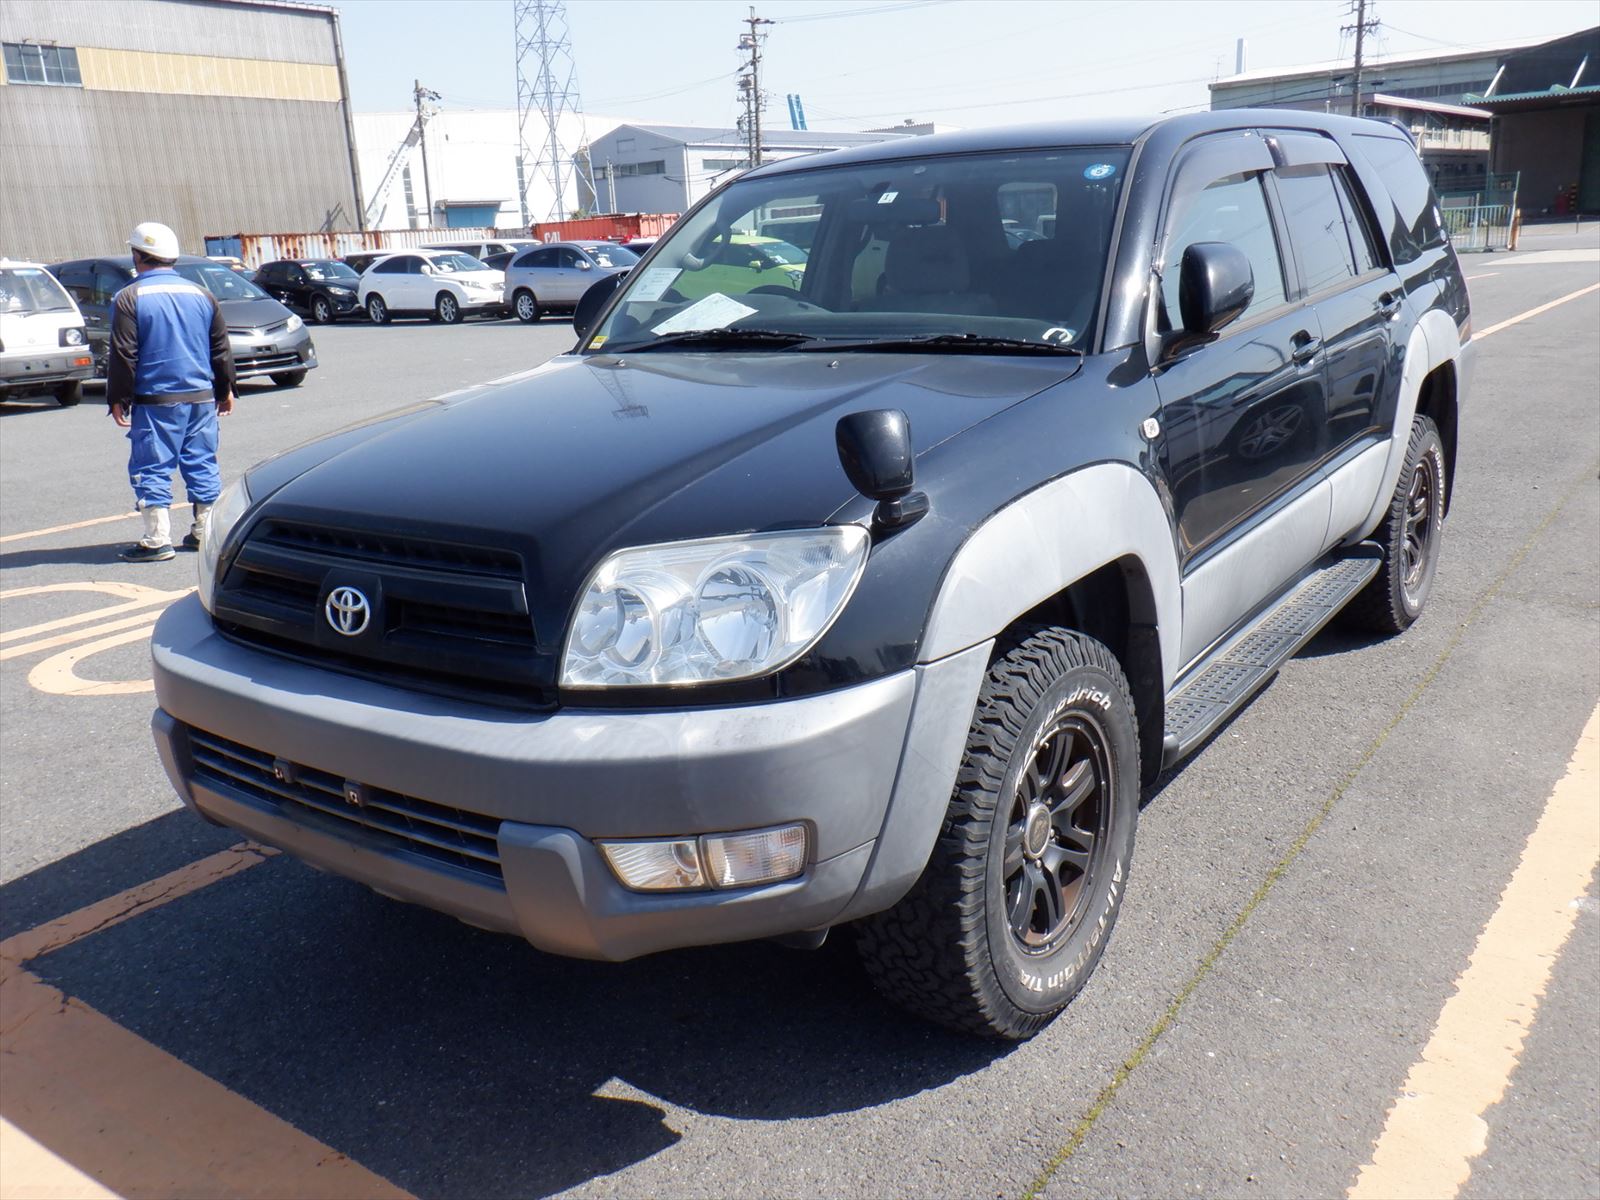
point(170, 376)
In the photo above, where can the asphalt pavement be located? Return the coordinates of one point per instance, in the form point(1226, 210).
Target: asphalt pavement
point(1306, 890)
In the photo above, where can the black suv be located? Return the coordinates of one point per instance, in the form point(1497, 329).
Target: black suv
point(320, 288)
point(871, 601)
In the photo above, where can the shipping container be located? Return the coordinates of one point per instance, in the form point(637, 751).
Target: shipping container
point(608, 227)
point(255, 249)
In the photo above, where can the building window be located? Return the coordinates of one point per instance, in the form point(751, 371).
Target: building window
point(27, 63)
point(658, 167)
point(722, 164)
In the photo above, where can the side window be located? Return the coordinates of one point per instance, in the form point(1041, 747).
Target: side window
point(1316, 227)
point(293, 275)
point(391, 266)
point(78, 281)
point(412, 264)
point(568, 258)
point(1417, 222)
point(107, 283)
point(544, 259)
point(1360, 225)
point(1231, 209)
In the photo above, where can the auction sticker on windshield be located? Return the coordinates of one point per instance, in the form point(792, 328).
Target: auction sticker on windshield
point(716, 311)
point(652, 283)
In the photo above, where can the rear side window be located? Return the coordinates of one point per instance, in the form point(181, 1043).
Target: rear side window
point(1316, 227)
point(391, 266)
point(1368, 257)
point(1231, 209)
point(1417, 224)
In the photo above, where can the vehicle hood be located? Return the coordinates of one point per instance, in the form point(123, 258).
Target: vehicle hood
point(489, 277)
point(252, 314)
point(591, 454)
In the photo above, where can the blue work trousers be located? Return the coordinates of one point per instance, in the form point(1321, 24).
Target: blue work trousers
point(165, 436)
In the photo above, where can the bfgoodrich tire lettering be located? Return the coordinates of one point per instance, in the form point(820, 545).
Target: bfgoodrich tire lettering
point(1027, 876)
point(1410, 536)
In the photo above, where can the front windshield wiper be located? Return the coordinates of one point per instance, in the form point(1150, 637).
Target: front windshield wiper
point(975, 342)
point(772, 339)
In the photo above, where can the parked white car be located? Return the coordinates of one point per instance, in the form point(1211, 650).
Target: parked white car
point(44, 347)
point(445, 285)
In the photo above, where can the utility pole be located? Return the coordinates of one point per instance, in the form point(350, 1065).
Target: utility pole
point(750, 86)
point(422, 95)
point(1362, 27)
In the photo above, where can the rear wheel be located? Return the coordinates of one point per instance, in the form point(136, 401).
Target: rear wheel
point(377, 310)
point(322, 310)
point(68, 394)
point(1025, 881)
point(527, 306)
point(289, 379)
point(447, 309)
point(1410, 536)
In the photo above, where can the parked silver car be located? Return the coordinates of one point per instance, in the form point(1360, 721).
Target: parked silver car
point(554, 277)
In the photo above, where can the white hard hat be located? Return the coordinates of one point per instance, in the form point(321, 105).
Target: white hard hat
point(154, 239)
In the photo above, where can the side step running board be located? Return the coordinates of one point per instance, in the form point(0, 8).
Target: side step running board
point(1238, 668)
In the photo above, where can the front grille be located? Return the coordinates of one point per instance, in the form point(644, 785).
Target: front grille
point(440, 834)
point(446, 618)
point(265, 362)
point(259, 331)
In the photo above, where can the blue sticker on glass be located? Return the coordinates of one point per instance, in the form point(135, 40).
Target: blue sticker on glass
point(1099, 171)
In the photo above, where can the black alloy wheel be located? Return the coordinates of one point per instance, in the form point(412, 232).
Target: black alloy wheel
point(321, 310)
point(377, 310)
point(527, 306)
point(1028, 871)
point(1411, 533)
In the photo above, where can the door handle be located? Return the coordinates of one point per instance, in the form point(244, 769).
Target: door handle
point(1389, 304)
point(1305, 346)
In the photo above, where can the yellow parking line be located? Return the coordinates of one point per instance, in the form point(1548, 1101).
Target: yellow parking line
point(90, 1109)
point(1534, 312)
point(33, 533)
point(143, 598)
point(76, 635)
point(1436, 1127)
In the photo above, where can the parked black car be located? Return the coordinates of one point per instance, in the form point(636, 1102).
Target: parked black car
point(872, 599)
point(267, 338)
point(322, 289)
point(362, 259)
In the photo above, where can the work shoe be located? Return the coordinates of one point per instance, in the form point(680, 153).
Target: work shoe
point(202, 513)
point(139, 552)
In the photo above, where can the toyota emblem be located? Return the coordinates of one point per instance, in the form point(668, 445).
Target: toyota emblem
point(347, 611)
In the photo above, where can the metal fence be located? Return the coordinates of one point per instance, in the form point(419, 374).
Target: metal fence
point(1479, 227)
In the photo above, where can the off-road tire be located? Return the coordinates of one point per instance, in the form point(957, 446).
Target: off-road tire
point(447, 309)
point(377, 310)
point(948, 951)
point(526, 306)
point(1393, 600)
point(68, 394)
point(322, 311)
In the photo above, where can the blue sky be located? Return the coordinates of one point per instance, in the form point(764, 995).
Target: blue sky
point(877, 62)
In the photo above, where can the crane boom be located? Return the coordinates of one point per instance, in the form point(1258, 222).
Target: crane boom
point(397, 162)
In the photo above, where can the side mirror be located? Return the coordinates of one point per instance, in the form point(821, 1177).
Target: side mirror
point(585, 265)
point(592, 301)
point(876, 454)
point(1215, 285)
point(427, 268)
point(758, 264)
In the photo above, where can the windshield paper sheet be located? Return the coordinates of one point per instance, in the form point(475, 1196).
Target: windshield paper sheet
point(653, 283)
point(716, 311)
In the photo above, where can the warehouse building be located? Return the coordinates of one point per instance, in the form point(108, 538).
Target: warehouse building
point(209, 115)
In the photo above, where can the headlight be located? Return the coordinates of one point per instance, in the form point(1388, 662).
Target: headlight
point(225, 513)
point(295, 323)
point(704, 611)
point(72, 337)
point(341, 291)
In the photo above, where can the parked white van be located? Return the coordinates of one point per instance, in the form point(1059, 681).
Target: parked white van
point(44, 347)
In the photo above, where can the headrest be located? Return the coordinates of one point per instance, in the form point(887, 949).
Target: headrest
point(926, 261)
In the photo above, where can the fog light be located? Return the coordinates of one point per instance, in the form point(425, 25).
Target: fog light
point(728, 860)
point(764, 856)
point(656, 866)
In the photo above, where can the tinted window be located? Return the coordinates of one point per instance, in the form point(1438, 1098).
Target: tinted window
point(1360, 225)
point(1316, 227)
point(108, 281)
point(1232, 209)
point(567, 257)
point(1417, 225)
point(393, 266)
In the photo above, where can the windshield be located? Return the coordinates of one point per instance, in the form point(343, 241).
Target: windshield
point(31, 290)
point(612, 256)
point(329, 272)
point(222, 282)
point(456, 262)
point(904, 250)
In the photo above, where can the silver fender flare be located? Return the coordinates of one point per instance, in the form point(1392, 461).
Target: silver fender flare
point(1051, 538)
point(1434, 341)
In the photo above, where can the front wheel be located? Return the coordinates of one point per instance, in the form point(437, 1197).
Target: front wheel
point(377, 310)
point(527, 306)
point(1013, 910)
point(322, 310)
point(447, 309)
point(289, 379)
point(68, 394)
point(1410, 535)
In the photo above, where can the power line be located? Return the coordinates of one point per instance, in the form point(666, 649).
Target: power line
point(839, 13)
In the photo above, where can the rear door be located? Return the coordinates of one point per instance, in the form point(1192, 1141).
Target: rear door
point(567, 280)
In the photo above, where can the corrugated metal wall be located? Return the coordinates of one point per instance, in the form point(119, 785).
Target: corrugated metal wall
point(82, 166)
